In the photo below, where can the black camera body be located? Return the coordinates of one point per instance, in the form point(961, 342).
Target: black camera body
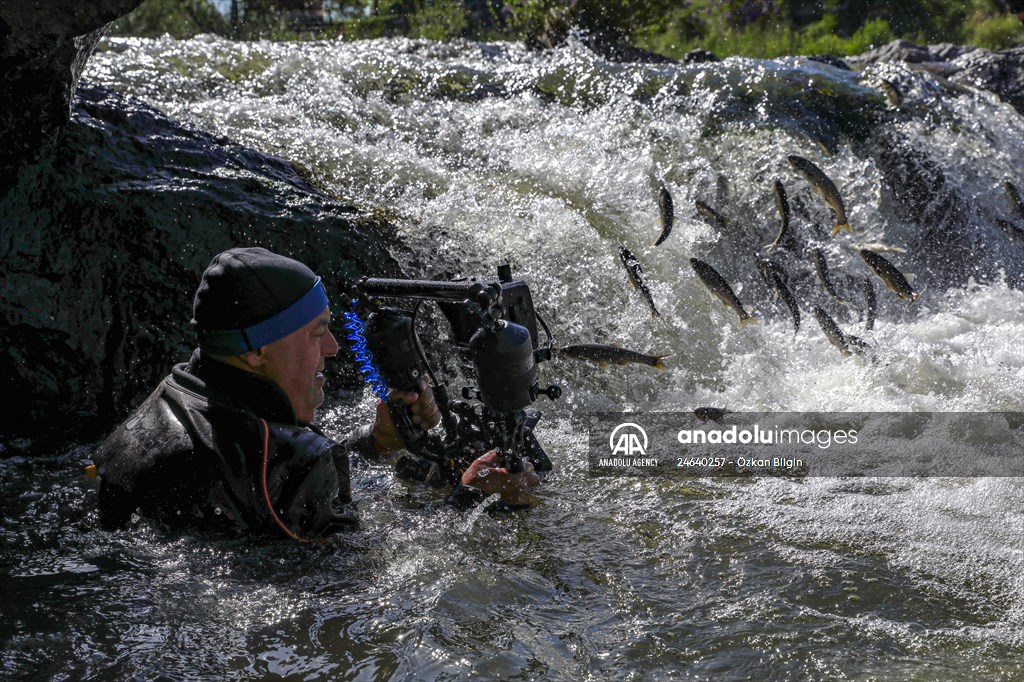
point(493, 325)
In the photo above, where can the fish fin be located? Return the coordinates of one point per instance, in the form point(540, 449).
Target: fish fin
point(603, 364)
point(840, 227)
point(616, 344)
point(659, 363)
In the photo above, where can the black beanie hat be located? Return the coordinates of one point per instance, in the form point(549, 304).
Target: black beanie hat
point(244, 287)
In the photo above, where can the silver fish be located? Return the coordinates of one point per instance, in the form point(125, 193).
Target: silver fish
point(888, 273)
point(782, 207)
point(603, 354)
point(636, 277)
point(892, 93)
point(666, 213)
point(877, 247)
point(870, 303)
point(846, 344)
point(824, 186)
point(767, 267)
point(1016, 205)
point(790, 300)
point(720, 289)
point(821, 268)
point(710, 215)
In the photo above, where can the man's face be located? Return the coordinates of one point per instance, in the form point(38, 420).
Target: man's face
point(296, 364)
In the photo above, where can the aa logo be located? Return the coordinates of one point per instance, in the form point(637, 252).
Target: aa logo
point(628, 440)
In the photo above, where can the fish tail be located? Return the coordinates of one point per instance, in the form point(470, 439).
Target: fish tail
point(840, 227)
point(659, 362)
point(749, 319)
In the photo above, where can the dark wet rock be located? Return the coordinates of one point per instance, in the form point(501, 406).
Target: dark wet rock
point(897, 51)
point(1000, 72)
point(699, 56)
point(946, 52)
point(616, 51)
point(102, 244)
point(44, 45)
point(831, 60)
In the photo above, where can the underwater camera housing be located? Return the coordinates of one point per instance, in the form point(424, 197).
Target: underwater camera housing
point(494, 329)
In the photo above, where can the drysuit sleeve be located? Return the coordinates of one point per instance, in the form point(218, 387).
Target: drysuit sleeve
point(308, 483)
point(360, 443)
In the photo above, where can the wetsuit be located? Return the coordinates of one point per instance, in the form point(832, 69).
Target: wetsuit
point(208, 448)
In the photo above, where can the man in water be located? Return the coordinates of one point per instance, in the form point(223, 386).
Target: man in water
point(226, 441)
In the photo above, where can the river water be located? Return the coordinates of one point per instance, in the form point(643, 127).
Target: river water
point(486, 152)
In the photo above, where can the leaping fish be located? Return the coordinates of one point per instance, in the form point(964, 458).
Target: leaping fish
point(888, 273)
point(666, 213)
point(825, 187)
point(877, 247)
point(845, 343)
point(636, 277)
point(767, 267)
point(821, 268)
point(720, 289)
point(1016, 205)
point(782, 207)
point(603, 354)
point(790, 300)
point(870, 304)
point(710, 215)
point(892, 93)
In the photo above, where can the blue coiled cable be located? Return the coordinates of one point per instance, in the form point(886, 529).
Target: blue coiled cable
point(364, 358)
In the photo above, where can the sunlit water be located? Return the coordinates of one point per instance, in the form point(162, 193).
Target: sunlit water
point(488, 152)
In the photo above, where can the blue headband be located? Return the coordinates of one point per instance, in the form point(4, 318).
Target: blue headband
point(292, 318)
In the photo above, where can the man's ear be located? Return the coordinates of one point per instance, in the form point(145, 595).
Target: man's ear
point(254, 358)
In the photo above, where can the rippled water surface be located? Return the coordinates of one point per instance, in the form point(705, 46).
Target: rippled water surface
point(482, 152)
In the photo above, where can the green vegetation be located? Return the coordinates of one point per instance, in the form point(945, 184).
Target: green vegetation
point(756, 28)
point(180, 18)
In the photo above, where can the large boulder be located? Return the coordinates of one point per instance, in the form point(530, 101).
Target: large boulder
point(102, 243)
point(44, 45)
point(1001, 72)
point(897, 51)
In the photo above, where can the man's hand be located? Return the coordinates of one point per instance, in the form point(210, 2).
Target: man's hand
point(424, 411)
point(515, 489)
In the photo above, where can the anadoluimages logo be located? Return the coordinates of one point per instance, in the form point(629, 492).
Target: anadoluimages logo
point(628, 440)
